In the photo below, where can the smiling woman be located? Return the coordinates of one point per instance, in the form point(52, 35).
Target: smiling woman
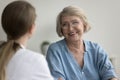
point(103, 15)
point(72, 28)
point(74, 58)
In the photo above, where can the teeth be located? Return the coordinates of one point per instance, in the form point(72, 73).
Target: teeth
point(72, 33)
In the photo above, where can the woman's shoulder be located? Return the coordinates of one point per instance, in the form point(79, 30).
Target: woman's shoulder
point(27, 56)
point(94, 46)
point(26, 53)
point(57, 44)
point(30, 62)
point(91, 44)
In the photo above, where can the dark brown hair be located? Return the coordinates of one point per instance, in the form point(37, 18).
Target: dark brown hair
point(17, 18)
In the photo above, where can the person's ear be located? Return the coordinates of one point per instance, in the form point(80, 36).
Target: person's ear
point(32, 29)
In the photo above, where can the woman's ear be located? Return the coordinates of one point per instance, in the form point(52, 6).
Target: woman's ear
point(32, 29)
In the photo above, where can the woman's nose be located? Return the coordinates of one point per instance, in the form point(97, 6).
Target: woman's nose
point(70, 27)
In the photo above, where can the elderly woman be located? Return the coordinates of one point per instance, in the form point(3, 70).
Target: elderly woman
point(73, 58)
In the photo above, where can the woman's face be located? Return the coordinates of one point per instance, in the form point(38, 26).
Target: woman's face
point(72, 28)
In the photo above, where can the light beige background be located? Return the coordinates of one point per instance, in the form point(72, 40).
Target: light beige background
point(104, 16)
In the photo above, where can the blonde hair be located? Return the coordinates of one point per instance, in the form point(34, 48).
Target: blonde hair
point(71, 11)
point(7, 51)
point(17, 19)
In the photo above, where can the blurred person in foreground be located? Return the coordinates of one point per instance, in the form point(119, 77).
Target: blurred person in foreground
point(16, 61)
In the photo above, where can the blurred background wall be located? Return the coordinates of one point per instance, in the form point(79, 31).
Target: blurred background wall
point(103, 15)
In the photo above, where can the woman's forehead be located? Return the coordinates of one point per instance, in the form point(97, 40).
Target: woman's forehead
point(69, 18)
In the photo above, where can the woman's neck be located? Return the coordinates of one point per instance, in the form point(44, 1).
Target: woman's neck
point(22, 41)
point(76, 44)
point(76, 47)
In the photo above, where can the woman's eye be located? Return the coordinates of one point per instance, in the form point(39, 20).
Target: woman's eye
point(64, 25)
point(75, 22)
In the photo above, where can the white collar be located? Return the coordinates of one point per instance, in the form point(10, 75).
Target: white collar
point(22, 46)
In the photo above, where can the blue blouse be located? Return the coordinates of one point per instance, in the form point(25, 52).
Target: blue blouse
point(97, 65)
